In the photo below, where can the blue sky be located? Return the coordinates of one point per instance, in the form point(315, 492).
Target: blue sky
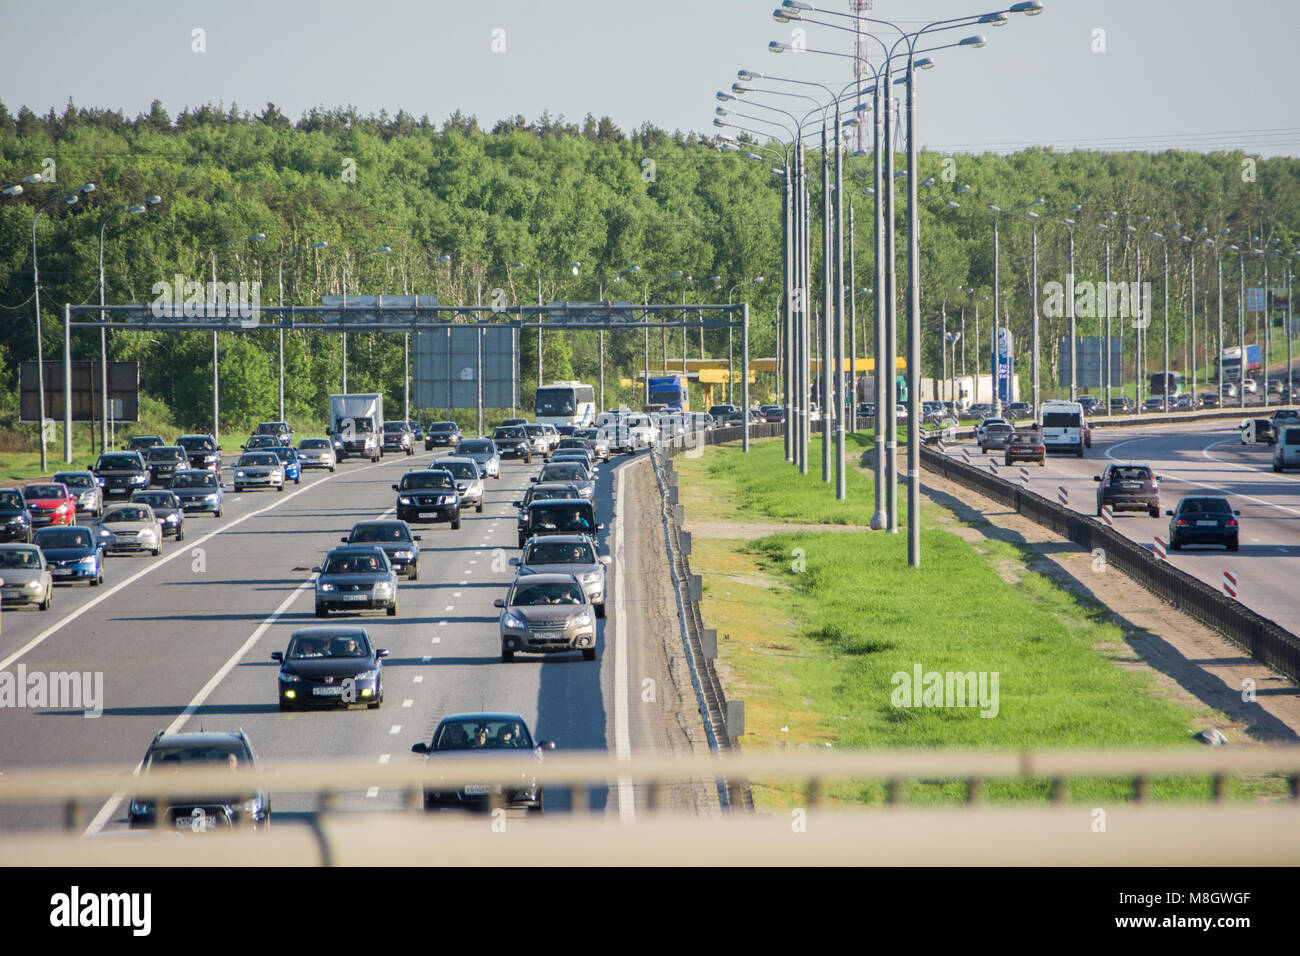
point(1172, 74)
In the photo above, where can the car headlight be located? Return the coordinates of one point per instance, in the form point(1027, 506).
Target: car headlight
point(371, 674)
point(88, 562)
point(287, 677)
point(211, 497)
point(173, 518)
point(514, 621)
point(276, 474)
point(383, 586)
point(32, 585)
point(141, 807)
point(105, 533)
point(404, 500)
point(239, 474)
point(592, 578)
point(139, 479)
point(324, 586)
point(583, 619)
point(61, 509)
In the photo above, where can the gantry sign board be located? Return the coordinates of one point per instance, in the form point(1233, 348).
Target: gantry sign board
point(1089, 349)
point(446, 367)
point(87, 391)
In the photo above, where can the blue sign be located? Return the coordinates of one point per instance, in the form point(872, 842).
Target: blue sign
point(1002, 361)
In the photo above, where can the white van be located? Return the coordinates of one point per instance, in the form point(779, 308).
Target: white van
point(1063, 427)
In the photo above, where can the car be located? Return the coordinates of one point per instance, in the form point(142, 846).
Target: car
point(394, 536)
point(1275, 387)
point(163, 461)
point(512, 441)
point(596, 440)
point(398, 437)
point(1187, 402)
point(49, 504)
point(1018, 410)
point(772, 414)
point(15, 522)
point(979, 410)
point(331, 666)
point(1122, 404)
point(71, 554)
point(82, 486)
point(1128, 486)
point(549, 491)
point(428, 495)
point(129, 527)
point(581, 456)
point(280, 431)
point(573, 472)
point(203, 450)
point(417, 433)
point(143, 443)
point(1156, 403)
point(199, 489)
point(1281, 418)
point(573, 443)
point(204, 748)
point(540, 441)
point(316, 453)
point(1230, 390)
point(558, 516)
point(288, 456)
point(1026, 444)
point(120, 473)
point(1286, 452)
point(1203, 520)
point(469, 480)
point(995, 435)
point(258, 469)
point(484, 452)
point(546, 614)
point(26, 577)
point(1257, 431)
point(1209, 400)
point(166, 508)
point(1089, 403)
point(866, 410)
point(259, 442)
point(493, 735)
point(632, 433)
point(721, 413)
point(513, 421)
point(356, 578)
point(979, 429)
point(568, 554)
point(441, 435)
point(1249, 386)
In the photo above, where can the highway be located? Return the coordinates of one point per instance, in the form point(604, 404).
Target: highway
point(184, 642)
point(1205, 458)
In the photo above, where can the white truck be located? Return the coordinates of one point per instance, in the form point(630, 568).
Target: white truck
point(357, 426)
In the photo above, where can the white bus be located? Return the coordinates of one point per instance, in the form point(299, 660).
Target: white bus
point(565, 403)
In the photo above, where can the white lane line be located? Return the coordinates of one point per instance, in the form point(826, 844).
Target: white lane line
point(473, 561)
point(450, 607)
point(622, 736)
point(409, 702)
point(372, 792)
point(419, 678)
point(395, 729)
point(478, 552)
point(435, 640)
point(110, 806)
point(456, 594)
point(153, 566)
point(384, 758)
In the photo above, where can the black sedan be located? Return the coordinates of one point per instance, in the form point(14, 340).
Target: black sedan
point(121, 472)
point(168, 752)
point(428, 494)
point(1203, 521)
point(441, 435)
point(512, 441)
point(332, 666)
point(487, 736)
point(395, 537)
point(15, 523)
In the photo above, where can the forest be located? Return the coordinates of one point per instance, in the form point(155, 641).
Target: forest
point(475, 215)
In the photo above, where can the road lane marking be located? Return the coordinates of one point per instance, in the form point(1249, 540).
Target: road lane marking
point(419, 678)
point(409, 702)
point(372, 792)
point(395, 729)
point(384, 758)
point(622, 736)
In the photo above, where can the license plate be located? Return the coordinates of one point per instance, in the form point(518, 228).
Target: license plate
point(548, 635)
point(11, 595)
point(428, 514)
point(62, 572)
point(355, 597)
point(1207, 524)
point(328, 691)
point(476, 789)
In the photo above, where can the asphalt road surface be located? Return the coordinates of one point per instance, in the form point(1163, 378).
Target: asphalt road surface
point(184, 642)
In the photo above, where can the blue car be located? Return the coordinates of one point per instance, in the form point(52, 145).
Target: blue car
point(72, 553)
point(292, 464)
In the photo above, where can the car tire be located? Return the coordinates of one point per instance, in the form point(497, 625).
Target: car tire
point(97, 580)
point(1233, 544)
point(1098, 507)
point(49, 599)
point(1153, 512)
point(600, 610)
point(180, 535)
point(218, 513)
point(1175, 544)
point(410, 451)
point(522, 541)
point(298, 480)
point(331, 469)
point(478, 509)
point(156, 552)
point(414, 575)
point(392, 611)
point(528, 459)
point(588, 653)
point(285, 707)
point(507, 656)
point(455, 523)
point(497, 476)
point(281, 487)
point(321, 612)
point(1078, 452)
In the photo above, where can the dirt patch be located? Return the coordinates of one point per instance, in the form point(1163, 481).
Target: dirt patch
point(1191, 663)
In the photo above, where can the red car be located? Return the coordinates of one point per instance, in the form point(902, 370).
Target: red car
point(50, 505)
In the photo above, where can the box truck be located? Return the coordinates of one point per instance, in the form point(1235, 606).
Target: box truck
point(357, 426)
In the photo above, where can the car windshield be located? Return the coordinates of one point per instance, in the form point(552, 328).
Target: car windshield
point(44, 491)
point(563, 471)
point(215, 753)
point(1130, 474)
point(467, 470)
point(267, 459)
point(309, 646)
point(587, 433)
point(548, 552)
point(561, 518)
point(272, 428)
point(313, 443)
point(126, 514)
point(196, 444)
point(535, 595)
point(155, 499)
point(1207, 506)
point(262, 441)
point(534, 430)
point(427, 479)
point(512, 433)
point(195, 480)
point(395, 426)
point(366, 533)
point(442, 427)
point(62, 538)
point(118, 463)
point(20, 558)
point(353, 564)
point(476, 447)
point(76, 481)
point(482, 734)
point(552, 494)
point(285, 453)
point(163, 453)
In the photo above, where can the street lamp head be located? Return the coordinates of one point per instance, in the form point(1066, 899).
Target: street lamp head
point(1032, 215)
point(86, 188)
point(446, 259)
point(723, 97)
point(575, 267)
point(633, 269)
point(1076, 208)
point(953, 205)
point(753, 156)
point(740, 90)
point(153, 200)
point(728, 148)
point(1031, 8)
point(962, 189)
point(994, 19)
point(136, 209)
point(783, 16)
point(974, 42)
point(778, 172)
point(14, 190)
point(928, 182)
point(381, 251)
point(796, 5)
point(1144, 219)
point(257, 237)
point(721, 111)
point(926, 63)
point(994, 209)
point(33, 178)
point(320, 245)
point(1067, 222)
point(748, 76)
point(777, 46)
point(718, 122)
point(757, 280)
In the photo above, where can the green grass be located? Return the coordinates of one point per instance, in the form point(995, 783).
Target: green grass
point(814, 625)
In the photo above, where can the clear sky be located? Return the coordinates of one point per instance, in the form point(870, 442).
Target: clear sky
point(1164, 73)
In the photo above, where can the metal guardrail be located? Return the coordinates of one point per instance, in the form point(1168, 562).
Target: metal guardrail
point(1265, 640)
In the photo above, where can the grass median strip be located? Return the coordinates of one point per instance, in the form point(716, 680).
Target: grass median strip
point(832, 640)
